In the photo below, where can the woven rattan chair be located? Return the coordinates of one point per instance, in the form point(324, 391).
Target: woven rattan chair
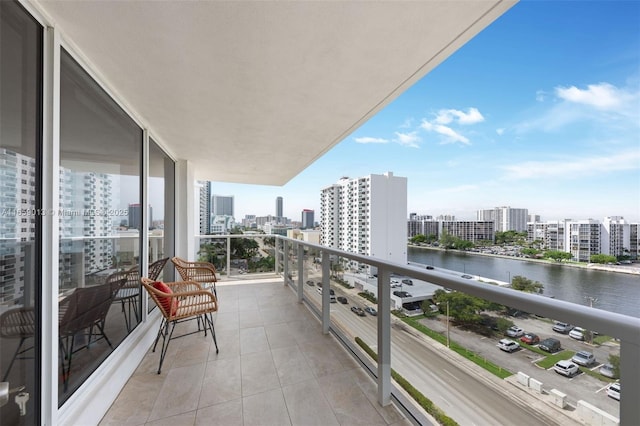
point(129, 294)
point(17, 323)
point(178, 302)
point(84, 312)
point(200, 272)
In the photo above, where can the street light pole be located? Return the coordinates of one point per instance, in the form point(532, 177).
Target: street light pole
point(447, 323)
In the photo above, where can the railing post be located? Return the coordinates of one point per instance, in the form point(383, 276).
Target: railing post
point(276, 254)
point(326, 267)
point(384, 337)
point(630, 381)
point(285, 261)
point(300, 271)
point(228, 256)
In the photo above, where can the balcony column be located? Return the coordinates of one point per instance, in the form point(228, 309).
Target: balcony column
point(629, 382)
point(326, 270)
point(300, 271)
point(228, 257)
point(384, 337)
point(285, 261)
point(185, 227)
point(276, 254)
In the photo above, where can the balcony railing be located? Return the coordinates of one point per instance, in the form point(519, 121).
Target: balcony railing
point(299, 262)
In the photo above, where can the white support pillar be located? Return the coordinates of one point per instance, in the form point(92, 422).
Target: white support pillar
point(384, 337)
point(276, 254)
point(630, 381)
point(326, 271)
point(185, 206)
point(300, 271)
point(228, 257)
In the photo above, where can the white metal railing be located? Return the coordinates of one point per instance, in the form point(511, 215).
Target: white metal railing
point(623, 327)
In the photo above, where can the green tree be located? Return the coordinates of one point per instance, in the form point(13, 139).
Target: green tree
point(602, 258)
point(532, 252)
point(462, 307)
point(461, 244)
point(525, 284)
point(557, 255)
point(447, 240)
point(420, 238)
point(432, 238)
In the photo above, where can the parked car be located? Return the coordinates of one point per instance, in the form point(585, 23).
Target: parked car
point(566, 368)
point(584, 358)
point(508, 345)
point(608, 371)
point(467, 276)
point(550, 345)
point(530, 338)
point(562, 327)
point(401, 294)
point(614, 391)
point(310, 283)
point(370, 311)
point(577, 333)
point(515, 331)
point(342, 300)
point(358, 311)
point(430, 267)
point(407, 281)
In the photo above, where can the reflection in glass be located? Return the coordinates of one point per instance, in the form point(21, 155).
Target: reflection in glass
point(20, 211)
point(99, 217)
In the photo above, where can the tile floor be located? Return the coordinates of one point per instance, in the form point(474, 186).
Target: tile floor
point(275, 367)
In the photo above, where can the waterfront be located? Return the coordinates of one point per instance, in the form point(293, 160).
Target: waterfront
point(610, 291)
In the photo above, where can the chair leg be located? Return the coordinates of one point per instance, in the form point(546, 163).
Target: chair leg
point(209, 320)
point(165, 344)
point(162, 325)
point(15, 355)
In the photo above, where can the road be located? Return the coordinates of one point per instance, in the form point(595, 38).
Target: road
point(463, 393)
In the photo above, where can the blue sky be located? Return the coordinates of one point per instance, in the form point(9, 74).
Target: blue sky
point(540, 111)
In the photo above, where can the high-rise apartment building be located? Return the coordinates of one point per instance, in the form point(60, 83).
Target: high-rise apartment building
point(279, 208)
point(367, 216)
point(307, 219)
point(584, 239)
point(616, 236)
point(135, 216)
point(222, 205)
point(470, 230)
point(205, 207)
point(506, 218)
point(551, 234)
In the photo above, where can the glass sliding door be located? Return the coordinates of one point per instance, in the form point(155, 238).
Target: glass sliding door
point(20, 214)
point(161, 203)
point(100, 223)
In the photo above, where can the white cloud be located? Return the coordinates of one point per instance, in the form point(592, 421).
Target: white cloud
point(455, 189)
point(500, 131)
point(451, 136)
point(574, 167)
point(540, 96)
point(408, 123)
point(601, 96)
point(446, 116)
point(407, 139)
point(366, 139)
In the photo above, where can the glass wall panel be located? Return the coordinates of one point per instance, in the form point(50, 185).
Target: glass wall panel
point(20, 213)
point(100, 222)
point(161, 211)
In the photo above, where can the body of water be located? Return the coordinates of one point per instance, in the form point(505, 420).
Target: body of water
point(610, 291)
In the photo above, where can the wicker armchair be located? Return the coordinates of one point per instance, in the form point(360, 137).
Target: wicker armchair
point(129, 294)
point(200, 272)
point(178, 302)
point(17, 323)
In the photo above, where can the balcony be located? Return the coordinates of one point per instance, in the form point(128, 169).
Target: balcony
point(275, 366)
point(288, 356)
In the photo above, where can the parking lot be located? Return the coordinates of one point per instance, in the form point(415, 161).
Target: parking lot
point(579, 387)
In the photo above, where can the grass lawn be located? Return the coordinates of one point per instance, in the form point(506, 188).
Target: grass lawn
point(598, 340)
point(551, 359)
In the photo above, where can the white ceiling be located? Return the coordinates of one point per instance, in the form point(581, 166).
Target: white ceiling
point(254, 92)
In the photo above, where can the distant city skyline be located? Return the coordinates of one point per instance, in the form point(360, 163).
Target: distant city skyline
point(541, 110)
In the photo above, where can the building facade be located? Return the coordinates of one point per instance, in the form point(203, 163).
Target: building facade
point(505, 218)
point(308, 219)
point(367, 216)
point(204, 206)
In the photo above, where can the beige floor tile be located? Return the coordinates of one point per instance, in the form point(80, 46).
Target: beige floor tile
point(307, 405)
point(250, 318)
point(279, 336)
point(267, 408)
point(186, 419)
point(291, 365)
point(194, 351)
point(253, 339)
point(258, 373)
point(134, 404)
point(228, 345)
point(180, 392)
point(227, 321)
point(222, 382)
point(321, 357)
point(224, 414)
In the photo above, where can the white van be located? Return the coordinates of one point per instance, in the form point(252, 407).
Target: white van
point(332, 295)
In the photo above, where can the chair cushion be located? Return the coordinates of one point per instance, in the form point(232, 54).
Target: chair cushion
point(168, 304)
